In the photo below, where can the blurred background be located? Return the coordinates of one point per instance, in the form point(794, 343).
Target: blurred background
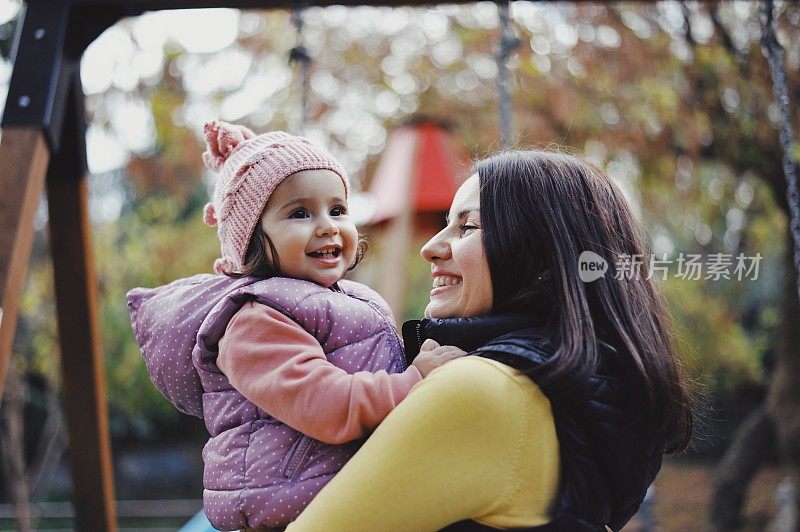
point(674, 100)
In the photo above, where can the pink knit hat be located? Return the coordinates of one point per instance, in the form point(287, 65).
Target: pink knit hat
point(250, 167)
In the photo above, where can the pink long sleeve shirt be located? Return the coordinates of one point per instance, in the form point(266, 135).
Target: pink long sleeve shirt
point(282, 369)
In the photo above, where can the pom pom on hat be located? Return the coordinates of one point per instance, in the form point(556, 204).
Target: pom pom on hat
point(223, 265)
point(221, 139)
point(210, 215)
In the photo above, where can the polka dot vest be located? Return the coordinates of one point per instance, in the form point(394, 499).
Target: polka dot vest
point(258, 471)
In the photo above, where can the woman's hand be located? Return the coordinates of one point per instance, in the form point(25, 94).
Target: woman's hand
point(432, 355)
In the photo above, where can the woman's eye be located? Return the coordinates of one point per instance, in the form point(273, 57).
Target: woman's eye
point(299, 214)
point(338, 211)
point(467, 228)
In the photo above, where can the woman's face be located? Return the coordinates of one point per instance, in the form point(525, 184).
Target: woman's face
point(462, 285)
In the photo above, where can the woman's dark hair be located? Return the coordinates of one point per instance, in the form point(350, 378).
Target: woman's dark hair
point(262, 260)
point(539, 211)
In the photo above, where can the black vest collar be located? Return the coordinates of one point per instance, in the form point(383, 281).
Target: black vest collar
point(466, 333)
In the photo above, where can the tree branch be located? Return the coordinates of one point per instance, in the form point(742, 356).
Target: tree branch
point(727, 41)
point(687, 23)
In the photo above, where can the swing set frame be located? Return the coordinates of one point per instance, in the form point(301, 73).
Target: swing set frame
point(43, 145)
point(43, 148)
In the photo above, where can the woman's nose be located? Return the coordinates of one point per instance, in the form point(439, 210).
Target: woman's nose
point(437, 248)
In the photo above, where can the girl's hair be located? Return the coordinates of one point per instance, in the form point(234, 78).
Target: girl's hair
point(539, 211)
point(257, 262)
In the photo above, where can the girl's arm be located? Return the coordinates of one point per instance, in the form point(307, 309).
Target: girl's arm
point(474, 440)
point(283, 370)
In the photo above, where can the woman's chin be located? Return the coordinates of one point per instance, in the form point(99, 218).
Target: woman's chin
point(436, 310)
point(429, 311)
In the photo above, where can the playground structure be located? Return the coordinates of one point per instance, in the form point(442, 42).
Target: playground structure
point(417, 176)
point(42, 145)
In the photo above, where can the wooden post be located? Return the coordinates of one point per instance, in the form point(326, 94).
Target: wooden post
point(23, 163)
point(78, 325)
point(398, 239)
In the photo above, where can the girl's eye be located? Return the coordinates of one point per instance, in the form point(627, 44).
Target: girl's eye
point(467, 228)
point(299, 214)
point(338, 211)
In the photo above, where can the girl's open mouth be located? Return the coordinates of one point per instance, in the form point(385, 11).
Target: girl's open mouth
point(327, 254)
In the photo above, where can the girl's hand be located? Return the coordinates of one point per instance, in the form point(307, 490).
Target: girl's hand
point(432, 355)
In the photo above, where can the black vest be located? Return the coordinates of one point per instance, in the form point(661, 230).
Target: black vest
point(609, 456)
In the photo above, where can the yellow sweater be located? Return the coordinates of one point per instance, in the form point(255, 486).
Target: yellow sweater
point(473, 440)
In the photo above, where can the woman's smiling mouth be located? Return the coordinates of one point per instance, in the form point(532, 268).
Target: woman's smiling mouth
point(442, 283)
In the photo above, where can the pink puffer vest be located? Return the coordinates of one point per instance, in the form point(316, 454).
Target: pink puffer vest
point(258, 471)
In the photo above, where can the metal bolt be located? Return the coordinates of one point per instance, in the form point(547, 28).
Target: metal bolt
point(39, 34)
point(24, 101)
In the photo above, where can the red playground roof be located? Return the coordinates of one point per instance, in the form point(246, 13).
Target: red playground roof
point(421, 168)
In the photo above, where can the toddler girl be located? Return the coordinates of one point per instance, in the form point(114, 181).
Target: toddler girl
point(289, 365)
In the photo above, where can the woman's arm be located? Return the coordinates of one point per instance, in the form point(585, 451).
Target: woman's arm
point(465, 444)
point(282, 369)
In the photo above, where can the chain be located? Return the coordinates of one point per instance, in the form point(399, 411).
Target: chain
point(774, 52)
point(508, 43)
point(299, 54)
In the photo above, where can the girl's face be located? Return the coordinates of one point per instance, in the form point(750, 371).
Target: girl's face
point(462, 285)
point(306, 218)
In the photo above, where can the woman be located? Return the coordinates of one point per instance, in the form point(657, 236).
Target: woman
point(559, 418)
